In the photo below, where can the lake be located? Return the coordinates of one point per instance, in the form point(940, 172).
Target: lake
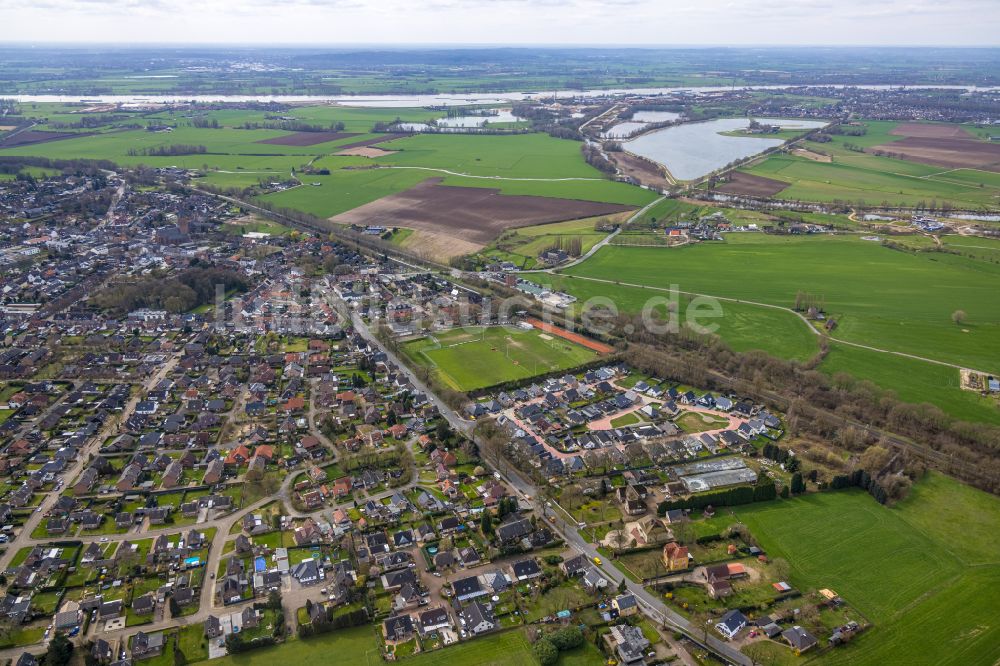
point(503, 116)
point(654, 116)
point(622, 130)
point(692, 150)
point(640, 119)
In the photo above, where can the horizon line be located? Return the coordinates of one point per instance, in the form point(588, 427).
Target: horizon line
point(485, 45)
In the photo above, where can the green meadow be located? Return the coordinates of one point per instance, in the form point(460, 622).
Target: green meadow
point(855, 176)
point(472, 358)
point(893, 299)
point(743, 327)
point(345, 189)
point(913, 381)
point(921, 571)
point(235, 158)
point(515, 156)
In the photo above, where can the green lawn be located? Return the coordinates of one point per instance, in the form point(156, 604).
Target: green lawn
point(697, 422)
point(912, 570)
point(566, 596)
point(360, 647)
point(468, 359)
point(625, 420)
point(509, 647)
point(23, 636)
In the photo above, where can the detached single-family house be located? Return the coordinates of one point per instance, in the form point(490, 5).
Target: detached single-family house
point(731, 624)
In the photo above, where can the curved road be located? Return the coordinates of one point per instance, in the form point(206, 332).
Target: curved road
point(652, 605)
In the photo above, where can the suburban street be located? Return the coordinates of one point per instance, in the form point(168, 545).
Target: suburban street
point(651, 605)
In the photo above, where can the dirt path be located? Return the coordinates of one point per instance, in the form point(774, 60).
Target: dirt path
point(469, 175)
point(802, 317)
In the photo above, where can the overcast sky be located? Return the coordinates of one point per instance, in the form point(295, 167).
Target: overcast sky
point(610, 22)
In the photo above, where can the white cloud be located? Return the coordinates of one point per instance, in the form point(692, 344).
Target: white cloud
point(608, 22)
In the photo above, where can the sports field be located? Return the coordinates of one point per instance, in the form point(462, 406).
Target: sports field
point(472, 358)
point(921, 572)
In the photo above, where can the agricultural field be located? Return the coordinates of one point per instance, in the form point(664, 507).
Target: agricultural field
point(472, 215)
point(503, 180)
point(882, 297)
point(901, 164)
point(912, 570)
point(472, 358)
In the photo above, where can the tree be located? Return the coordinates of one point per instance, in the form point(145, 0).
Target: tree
point(60, 650)
point(758, 651)
point(234, 643)
point(179, 658)
point(874, 459)
point(546, 653)
point(567, 638)
point(798, 485)
point(780, 568)
point(175, 608)
point(619, 538)
point(958, 316)
point(487, 523)
point(622, 586)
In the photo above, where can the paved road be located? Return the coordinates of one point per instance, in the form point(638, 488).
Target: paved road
point(597, 246)
point(652, 606)
point(294, 596)
point(73, 471)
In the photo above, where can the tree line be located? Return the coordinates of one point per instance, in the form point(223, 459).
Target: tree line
point(293, 126)
point(168, 151)
point(841, 408)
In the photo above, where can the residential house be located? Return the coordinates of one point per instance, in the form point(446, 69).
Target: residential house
point(146, 645)
point(675, 556)
point(731, 624)
point(478, 618)
point(625, 604)
point(398, 629)
point(800, 639)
